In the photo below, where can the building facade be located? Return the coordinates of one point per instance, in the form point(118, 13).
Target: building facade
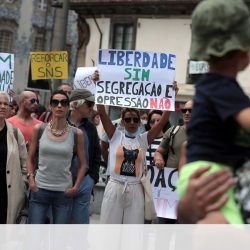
point(146, 25)
point(27, 25)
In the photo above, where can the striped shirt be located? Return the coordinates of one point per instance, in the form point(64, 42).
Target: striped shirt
point(151, 151)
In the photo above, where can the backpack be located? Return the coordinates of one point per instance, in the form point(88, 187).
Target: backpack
point(173, 132)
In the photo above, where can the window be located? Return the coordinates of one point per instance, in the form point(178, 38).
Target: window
point(6, 41)
point(42, 5)
point(39, 43)
point(123, 36)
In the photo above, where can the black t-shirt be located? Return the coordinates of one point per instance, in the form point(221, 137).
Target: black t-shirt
point(213, 134)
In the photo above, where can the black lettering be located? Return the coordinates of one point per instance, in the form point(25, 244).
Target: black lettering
point(99, 99)
point(41, 71)
point(145, 103)
point(122, 85)
point(134, 89)
point(167, 91)
point(159, 90)
point(112, 100)
point(99, 84)
point(113, 89)
point(127, 88)
point(170, 179)
point(58, 72)
point(160, 179)
point(127, 102)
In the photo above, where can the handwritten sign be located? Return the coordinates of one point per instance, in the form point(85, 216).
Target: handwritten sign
point(136, 79)
point(83, 79)
point(49, 65)
point(6, 72)
point(165, 196)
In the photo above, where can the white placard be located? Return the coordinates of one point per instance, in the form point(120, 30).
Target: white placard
point(198, 67)
point(136, 79)
point(83, 78)
point(6, 72)
point(163, 184)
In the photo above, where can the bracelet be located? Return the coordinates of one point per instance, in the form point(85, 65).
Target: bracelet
point(30, 174)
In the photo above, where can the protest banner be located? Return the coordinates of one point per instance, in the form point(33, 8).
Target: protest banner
point(49, 65)
point(163, 183)
point(136, 79)
point(6, 72)
point(83, 79)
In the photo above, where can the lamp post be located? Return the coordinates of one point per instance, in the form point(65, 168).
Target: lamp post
point(59, 31)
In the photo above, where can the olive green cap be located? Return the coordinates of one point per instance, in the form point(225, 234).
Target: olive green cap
point(218, 27)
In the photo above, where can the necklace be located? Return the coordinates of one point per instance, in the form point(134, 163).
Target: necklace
point(57, 132)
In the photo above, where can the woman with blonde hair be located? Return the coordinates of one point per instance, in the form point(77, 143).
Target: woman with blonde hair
point(13, 155)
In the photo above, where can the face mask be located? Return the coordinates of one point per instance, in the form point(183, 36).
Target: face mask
point(129, 134)
point(144, 122)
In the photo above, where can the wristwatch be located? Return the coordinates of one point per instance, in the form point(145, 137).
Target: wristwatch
point(30, 174)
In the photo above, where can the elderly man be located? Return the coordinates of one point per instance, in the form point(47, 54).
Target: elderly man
point(81, 105)
point(28, 102)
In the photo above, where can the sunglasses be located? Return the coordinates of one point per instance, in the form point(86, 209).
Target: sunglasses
point(90, 104)
point(153, 121)
point(63, 102)
point(129, 120)
point(184, 111)
point(33, 100)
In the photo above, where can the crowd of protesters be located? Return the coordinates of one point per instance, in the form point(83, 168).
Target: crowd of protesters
point(55, 154)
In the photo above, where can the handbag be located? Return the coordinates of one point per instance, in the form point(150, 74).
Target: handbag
point(149, 207)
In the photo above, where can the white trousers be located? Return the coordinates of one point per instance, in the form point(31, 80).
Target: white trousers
point(123, 203)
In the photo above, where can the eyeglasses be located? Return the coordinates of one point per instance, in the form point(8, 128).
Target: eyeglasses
point(90, 104)
point(153, 121)
point(130, 119)
point(33, 100)
point(64, 103)
point(184, 111)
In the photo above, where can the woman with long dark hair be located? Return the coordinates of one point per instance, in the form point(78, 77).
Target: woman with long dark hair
point(52, 186)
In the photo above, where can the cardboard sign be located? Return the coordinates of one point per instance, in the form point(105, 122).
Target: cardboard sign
point(83, 79)
point(136, 79)
point(49, 65)
point(6, 72)
point(163, 184)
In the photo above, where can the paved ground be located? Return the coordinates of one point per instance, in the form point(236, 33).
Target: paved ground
point(95, 219)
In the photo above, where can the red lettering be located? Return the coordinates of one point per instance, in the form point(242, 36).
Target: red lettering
point(167, 103)
point(153, 103)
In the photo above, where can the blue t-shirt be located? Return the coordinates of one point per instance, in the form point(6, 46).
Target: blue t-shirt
point(213, 133)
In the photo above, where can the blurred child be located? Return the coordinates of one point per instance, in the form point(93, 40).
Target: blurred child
point(221, 113)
